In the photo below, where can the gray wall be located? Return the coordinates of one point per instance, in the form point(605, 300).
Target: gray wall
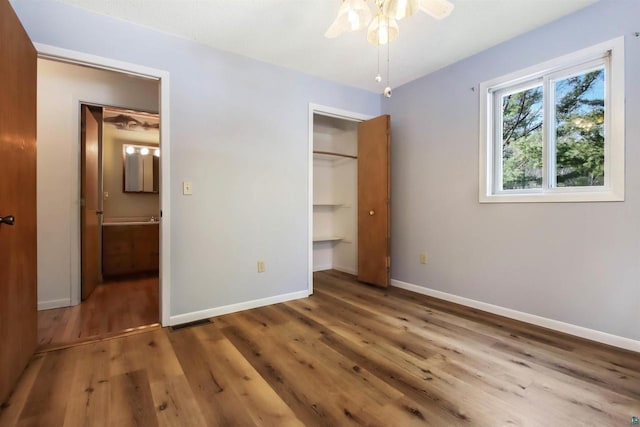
point(239, 132)
point(573, 262)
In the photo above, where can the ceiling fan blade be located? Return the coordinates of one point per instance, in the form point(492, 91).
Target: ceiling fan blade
point(352, 15)
point(334, 30)
point(438, 9)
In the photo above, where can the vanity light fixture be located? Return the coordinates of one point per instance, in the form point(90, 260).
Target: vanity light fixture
point(156, 152)
point(130, 150)
point(144, 151)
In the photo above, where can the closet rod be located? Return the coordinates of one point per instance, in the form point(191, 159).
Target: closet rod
point(335, 154)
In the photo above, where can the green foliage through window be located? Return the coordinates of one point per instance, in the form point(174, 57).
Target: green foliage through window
point(580, 130)
point(522, 118)
point(578, 139)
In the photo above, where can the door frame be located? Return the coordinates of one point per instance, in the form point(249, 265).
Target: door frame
point(338, 113)
point(80, 58)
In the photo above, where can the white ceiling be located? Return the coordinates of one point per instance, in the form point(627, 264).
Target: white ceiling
point(290, 32)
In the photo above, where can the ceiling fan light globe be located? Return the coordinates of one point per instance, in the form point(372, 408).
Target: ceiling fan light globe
point(352, 16)
point(354, 20)
point(382, 30)
point(399, 9)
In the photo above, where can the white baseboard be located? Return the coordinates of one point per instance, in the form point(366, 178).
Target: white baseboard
point(568, 328)
point(232, 308)
point(346, 270)
point(54, 303)
point(322, 267)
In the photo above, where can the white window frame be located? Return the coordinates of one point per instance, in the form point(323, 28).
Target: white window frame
point(611, 53)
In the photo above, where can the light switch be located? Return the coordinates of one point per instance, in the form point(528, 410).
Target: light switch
point(187, 188)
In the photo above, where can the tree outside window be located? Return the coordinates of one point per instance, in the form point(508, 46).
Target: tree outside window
point(576, 144)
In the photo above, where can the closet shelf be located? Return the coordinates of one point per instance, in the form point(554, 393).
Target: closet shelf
point(327, 238)
point(331, 153)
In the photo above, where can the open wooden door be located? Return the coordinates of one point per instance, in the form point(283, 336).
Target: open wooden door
point(90, 213)
point(18, 241)
point(374, 229)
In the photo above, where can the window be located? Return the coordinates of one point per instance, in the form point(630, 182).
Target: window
point(555, 132)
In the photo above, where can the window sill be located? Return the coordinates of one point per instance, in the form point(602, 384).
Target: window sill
point(564, 197)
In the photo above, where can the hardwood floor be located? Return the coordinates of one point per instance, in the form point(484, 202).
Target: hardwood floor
point(348, 355)
point(114, 307)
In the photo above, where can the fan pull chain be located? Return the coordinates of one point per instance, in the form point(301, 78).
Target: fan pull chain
point(387, 90)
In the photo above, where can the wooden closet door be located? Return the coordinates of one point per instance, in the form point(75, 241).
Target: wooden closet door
point(18, 241)
point(373, 201)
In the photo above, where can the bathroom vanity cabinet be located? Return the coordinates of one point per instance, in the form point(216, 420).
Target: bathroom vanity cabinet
point(129, 249)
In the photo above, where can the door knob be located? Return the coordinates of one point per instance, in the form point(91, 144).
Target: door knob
point(9, 220)
point(372, 213)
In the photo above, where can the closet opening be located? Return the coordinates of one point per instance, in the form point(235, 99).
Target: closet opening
point(349, 187)
point(335, 194)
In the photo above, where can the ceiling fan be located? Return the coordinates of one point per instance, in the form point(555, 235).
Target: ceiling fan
point(383, 27)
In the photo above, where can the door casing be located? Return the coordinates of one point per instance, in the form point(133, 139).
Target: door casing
point(322, 110)
point(90, 220)
point(79, 58)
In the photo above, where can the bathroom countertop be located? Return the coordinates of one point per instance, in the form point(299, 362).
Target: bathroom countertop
point(136, 220)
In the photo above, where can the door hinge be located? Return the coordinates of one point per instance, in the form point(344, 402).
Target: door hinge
point(388, 262)
point(83, 203)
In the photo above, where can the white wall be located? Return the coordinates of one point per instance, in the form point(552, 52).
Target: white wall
point(345, 188)
point(577, 263)
point(61, 88)
point(119, 203)
point(345, 185)
point(323, 216)
point(239, 132)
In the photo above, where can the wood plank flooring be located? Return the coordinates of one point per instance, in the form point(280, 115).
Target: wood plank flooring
point(350, 355)
point(113, 307)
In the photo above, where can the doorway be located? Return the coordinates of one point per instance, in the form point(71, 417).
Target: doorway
point(349, 195)
point(335, 194)
point(119, 212)
point(67, 217)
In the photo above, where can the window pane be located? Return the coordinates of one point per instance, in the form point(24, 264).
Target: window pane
point(522, 139)
point(580, 130)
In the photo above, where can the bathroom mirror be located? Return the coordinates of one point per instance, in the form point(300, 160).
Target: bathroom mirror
point(141, 168)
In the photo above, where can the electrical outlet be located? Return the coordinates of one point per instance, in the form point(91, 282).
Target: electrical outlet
point(187, 188)
point(423, 258)
point(261, 267)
